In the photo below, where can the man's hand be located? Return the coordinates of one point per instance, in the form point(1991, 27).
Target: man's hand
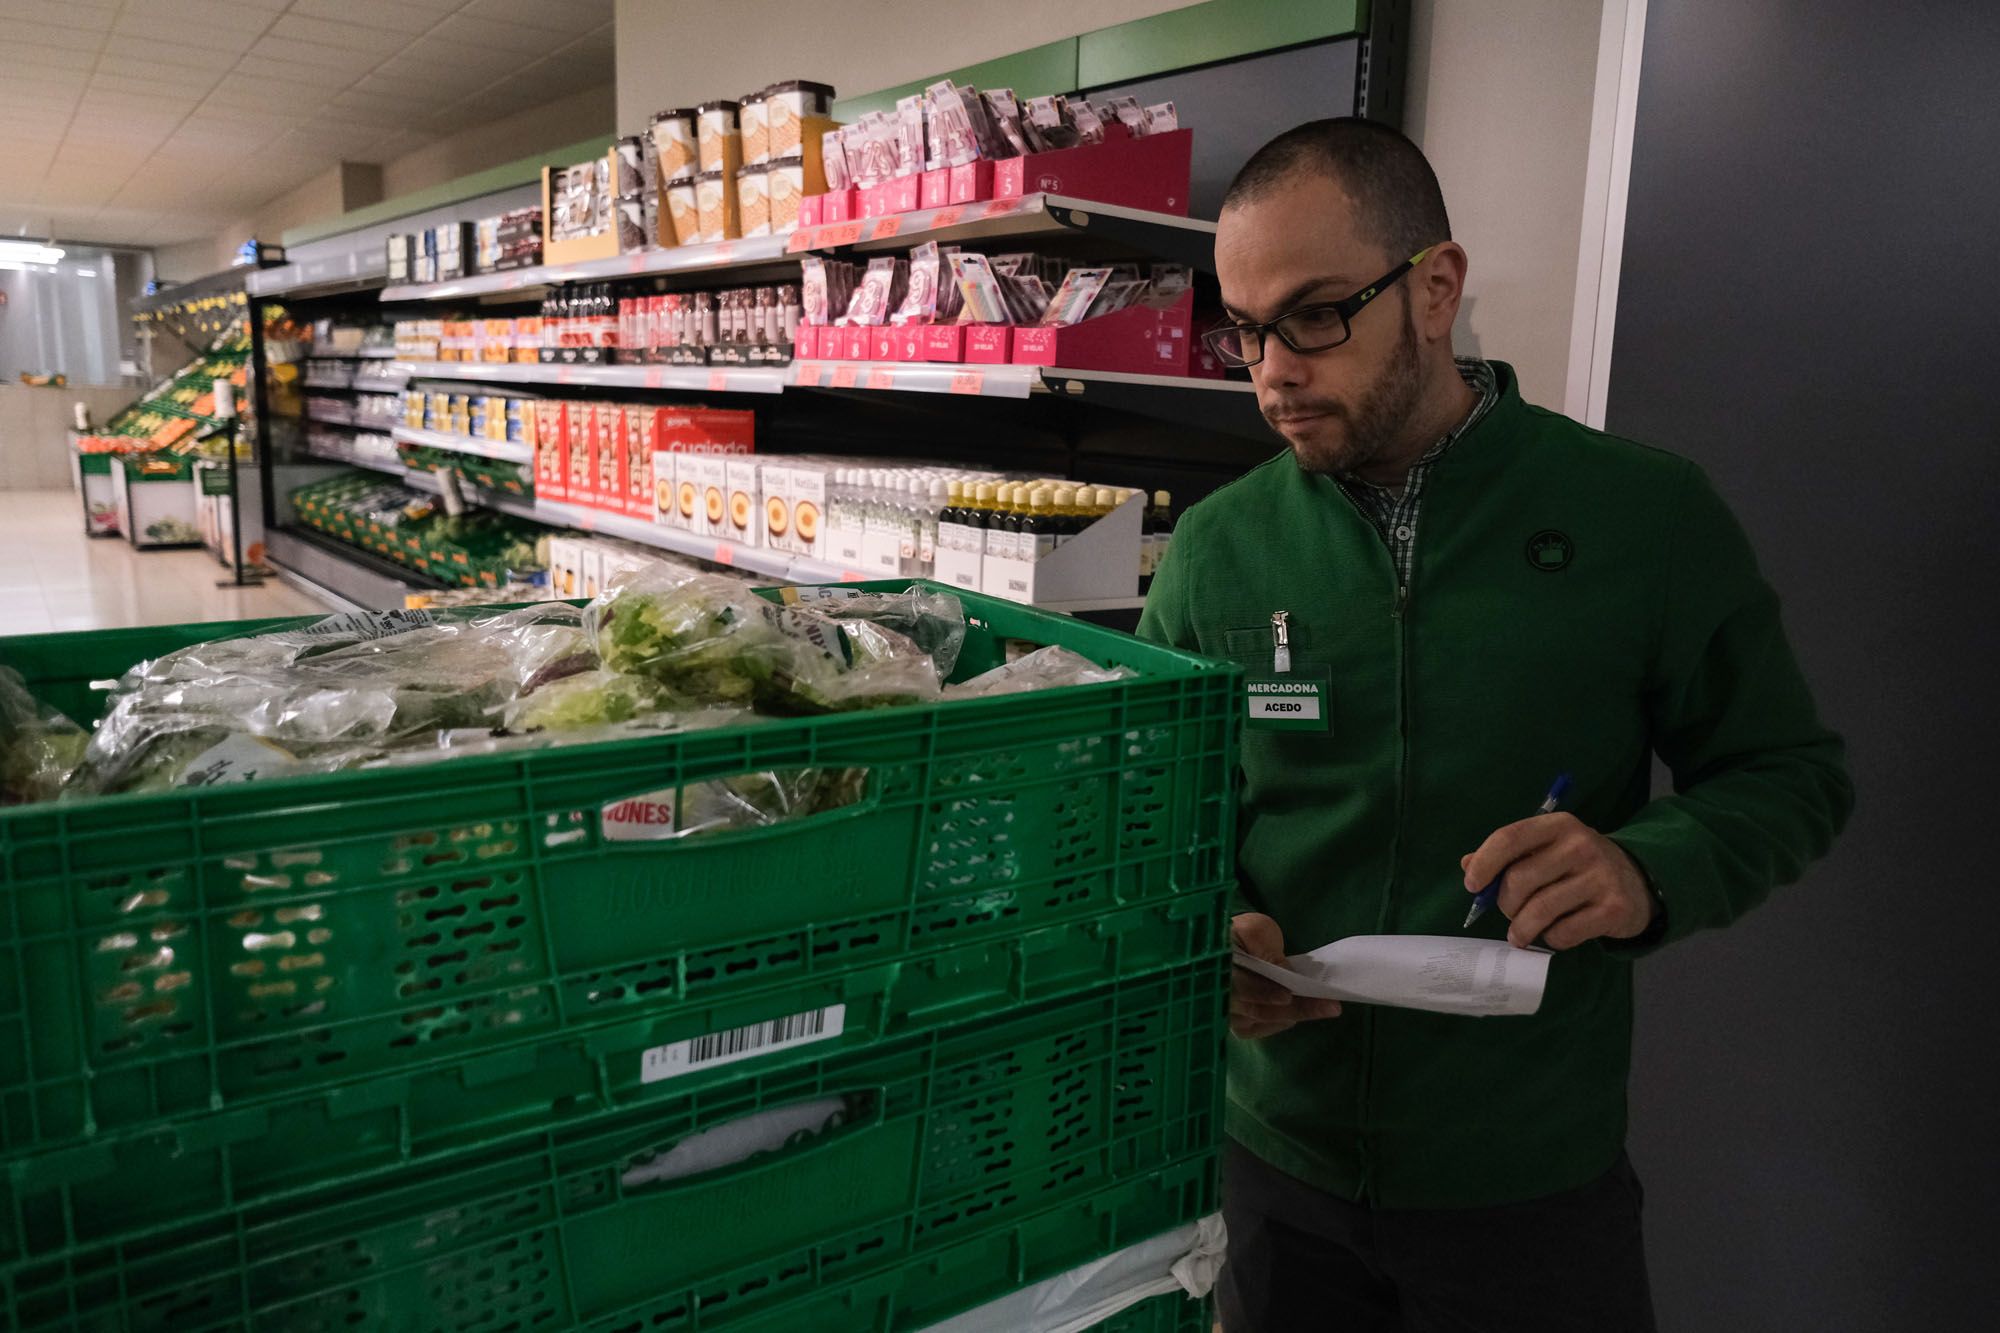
point(1259, 1006)
point(1565, 883)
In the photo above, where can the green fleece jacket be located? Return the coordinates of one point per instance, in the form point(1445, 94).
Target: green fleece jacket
point(1578, 604)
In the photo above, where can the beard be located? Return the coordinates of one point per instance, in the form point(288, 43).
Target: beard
point(1340, 437)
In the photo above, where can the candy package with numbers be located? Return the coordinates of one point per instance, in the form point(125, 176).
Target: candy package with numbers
point(920, 301)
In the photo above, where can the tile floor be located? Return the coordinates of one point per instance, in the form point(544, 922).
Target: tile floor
point(52, 577)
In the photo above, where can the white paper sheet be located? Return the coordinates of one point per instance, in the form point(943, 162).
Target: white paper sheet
point(1434, 972)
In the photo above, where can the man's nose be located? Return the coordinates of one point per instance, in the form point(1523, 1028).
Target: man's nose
point(1281, 368)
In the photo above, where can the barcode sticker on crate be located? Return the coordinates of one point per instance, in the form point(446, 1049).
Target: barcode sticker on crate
point(722, 1048)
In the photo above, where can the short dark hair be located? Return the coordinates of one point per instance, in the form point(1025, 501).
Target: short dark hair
point(1387, 177)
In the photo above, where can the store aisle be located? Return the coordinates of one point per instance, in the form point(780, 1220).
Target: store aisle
point(52, 577)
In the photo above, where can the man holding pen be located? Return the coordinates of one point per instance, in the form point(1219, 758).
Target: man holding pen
point(1460, 596)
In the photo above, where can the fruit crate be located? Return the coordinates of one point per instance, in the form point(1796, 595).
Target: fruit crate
point(881, 1189)
point(392, 965)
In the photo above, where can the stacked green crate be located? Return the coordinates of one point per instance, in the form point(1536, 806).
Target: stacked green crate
point(437, 1044)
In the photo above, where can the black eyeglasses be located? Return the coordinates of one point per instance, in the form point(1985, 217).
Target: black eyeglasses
point(1310, 328)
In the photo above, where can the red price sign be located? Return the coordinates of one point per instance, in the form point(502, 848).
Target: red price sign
point(718, 380)
point(887, 227)
point(802, 239)
point(849, 576)
point(635, 262)
point(946, 217)
point(725, 553)
point(968, 381)
point(725, 252)
point(566, 375)
point(843, 376)
point(1000, 208)
point(880, 378)
point(847, 233)
point(655, 376)
point(808, 374)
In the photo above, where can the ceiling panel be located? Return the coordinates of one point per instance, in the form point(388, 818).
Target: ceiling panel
point(162, 120)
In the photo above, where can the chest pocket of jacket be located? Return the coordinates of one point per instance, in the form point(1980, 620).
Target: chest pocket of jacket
point(1303, 705)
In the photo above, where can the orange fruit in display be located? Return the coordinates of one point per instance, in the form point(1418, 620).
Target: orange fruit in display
point(807, 518)
point(775, 516)
point(687, 499)
point(714, 505)
point(739, 510)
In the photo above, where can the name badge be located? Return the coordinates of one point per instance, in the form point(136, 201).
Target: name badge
point(1295, 701)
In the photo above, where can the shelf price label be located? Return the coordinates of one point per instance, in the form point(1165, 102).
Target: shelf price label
point(802, 239)
point(718, 381)
point(1000, 208)
point(886, 227)
point(635, 262)
point(968, 381)
point(881, 377)
point(655, 376)
point(566, 375)
point(846, 233)
point(725, 252)
point(843, 375)
point(947, 217)
point(808, 374)
point(725, 553)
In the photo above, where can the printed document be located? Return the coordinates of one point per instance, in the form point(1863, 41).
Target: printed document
point(1434, 972)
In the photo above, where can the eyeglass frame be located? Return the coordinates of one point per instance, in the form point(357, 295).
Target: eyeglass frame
point(1347, 309)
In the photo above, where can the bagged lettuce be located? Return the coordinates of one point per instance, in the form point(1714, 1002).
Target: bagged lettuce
point(39, 747)
point(1043, 669)
point(715, 641)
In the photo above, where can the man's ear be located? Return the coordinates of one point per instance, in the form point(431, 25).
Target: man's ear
point(1439, 286)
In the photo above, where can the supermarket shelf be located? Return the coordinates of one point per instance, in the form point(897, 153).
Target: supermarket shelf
point(745, 253)
point(330, 386)
point(355, 458)
point(322, 277)
point(320, 418)
point(214, 284)
point(417, 479)
point(1162, 235)
point(464, 444)
point(777, 564)
point(700, 379)
point(313, 353)
point(1003, 381)
point(350, 573)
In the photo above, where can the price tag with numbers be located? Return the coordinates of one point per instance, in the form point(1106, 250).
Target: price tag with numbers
point(947, 217)
point(725, 553)
point(718, 380)
point(844, 375)
point(968, 381)
point(887, 227)
point(881, 378)
point(655, 376)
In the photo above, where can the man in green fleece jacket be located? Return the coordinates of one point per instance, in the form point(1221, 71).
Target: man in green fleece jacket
point(1486, 594)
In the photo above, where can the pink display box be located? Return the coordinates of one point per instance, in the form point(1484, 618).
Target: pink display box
point(908, 343)
point(1138, 340)
point(971, 183)
point(856, 344)
point(809, 210)
point(840, 205)
point(902, 194)
point(1150, 173)
point(944, 342)
point(805, 341)
point(986, 344)
point(936, 191)
point(881, 344)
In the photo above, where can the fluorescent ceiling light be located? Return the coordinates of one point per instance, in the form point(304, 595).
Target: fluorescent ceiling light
point(29, 252)
point(84, 272)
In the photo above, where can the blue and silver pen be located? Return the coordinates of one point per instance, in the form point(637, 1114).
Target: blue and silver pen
point(1489, 895)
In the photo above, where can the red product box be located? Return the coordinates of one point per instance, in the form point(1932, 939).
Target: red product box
point(944, 342)
point(608, 434)
point(901, 194)
point(810, 210)
point(805, 342)
point(551, 453)
point(707, 430)
point(580, 452)
point(854, 342)
point(986, 344)
point(642, 437)
point(881, 344)
point(935, 192)
point(840, 205)
point(1150, 173)
point(971, 183)
point(908, 342)
point(1138, 340)
point(872, 201)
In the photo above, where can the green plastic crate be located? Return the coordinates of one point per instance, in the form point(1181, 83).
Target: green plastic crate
point(470, 958)
point(971, 1161)
point(1172, 1313)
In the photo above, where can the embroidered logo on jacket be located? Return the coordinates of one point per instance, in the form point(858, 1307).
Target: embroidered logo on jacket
point(1550, 551)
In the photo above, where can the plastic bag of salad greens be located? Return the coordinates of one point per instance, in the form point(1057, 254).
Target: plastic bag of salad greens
point(588, 699)
point(715, 641)
point(313, 707)
point(1043, 669)
point(757, 800)
point(39, 747)
point(934, 621)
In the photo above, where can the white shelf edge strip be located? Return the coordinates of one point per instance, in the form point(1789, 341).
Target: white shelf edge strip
point(710, 379)
point(464, 444)
point(640, 263)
